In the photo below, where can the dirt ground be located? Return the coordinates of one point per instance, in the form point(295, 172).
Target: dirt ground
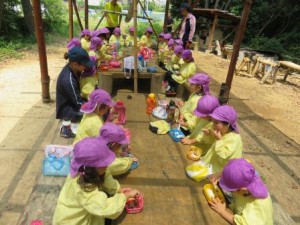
point(268, 116)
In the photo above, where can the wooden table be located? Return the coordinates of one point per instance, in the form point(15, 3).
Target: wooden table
point(290, 67)
point(106, 77)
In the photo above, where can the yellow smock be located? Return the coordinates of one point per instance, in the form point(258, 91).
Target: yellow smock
point(187, 110)
point(229, 147)
point(186, 71)
point(114, 18)
point(174, 62)
point(88, 85)
point(145, 41)
point(113, 39)
point(85, 44)
point(248, 210)
point(100, 55)
point(161, 49)
point(88, 127)
point(120, 166)
point(130, 39)
point(77, 207)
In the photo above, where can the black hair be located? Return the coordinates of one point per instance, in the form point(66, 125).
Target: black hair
point(230, 128)
point(89, 179)
point(185, 5)
point(66, 56)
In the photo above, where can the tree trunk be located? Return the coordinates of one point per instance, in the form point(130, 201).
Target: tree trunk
point(1, 13)
point(28, 15)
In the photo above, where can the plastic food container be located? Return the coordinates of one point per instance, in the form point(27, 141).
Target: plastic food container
point(210, 192)
point(135, 205)
point(163, 103)
point(194, 153)
point(176, 134)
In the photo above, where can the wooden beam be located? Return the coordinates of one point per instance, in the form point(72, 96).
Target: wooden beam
point(101, 19)
point(71, 31)
point(150, 22)
point(86, 14)
point(212, 32)
point(124, 14)
point(77, 14)
point(135, 71)
point(166, 14)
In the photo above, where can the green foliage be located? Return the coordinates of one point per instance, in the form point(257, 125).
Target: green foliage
point(143, 25)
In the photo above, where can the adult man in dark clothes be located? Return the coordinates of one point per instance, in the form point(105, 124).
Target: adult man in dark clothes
point(68, 98)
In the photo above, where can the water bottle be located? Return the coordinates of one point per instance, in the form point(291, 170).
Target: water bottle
point(171, 112)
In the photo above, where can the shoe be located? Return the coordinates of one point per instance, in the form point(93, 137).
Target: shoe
point(66, 131)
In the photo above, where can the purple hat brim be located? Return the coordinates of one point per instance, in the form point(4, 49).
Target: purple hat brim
point(199, 114)
point(225, 187)
point(257, 188)
point(89, 108)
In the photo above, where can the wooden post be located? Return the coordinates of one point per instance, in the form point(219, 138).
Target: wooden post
point(150, 22)
point(166, 15)
point(45, 79)
point(239, 35)
point(77, 14)
point(135, 75)
point(86, 14)
point(212, 32)
point(71, 31)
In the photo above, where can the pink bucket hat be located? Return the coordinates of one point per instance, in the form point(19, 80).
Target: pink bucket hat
point(227, 114)
point(187, 54)
point(161, 35)
point(85, 32)
point(104, 30)
point(91, 152)
point(167, 36)
point(149, 30)
point(206, 105)
point(131, 29)
point(171, 43)
point(95, 43)
point(98, 96)
point(239, 173)
point(179, 42)
point(178, 49)
point(201, 79)
point(74, 42)
point(113, 133)
point(90, 71)
point(117, 30)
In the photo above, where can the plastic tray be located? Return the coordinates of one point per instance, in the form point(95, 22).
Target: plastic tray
point(176, 134)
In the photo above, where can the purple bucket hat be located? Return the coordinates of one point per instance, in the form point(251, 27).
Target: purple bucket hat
point(162, 34)
point(98, 96)
point(91, 152)
point(90, 71)
point(113, 133)
point(167, 36)
point(85, 32)
point(74, 42)
point(131, 29)
point(227, 114)
point(95, 43)
point(178, 49)
point(187, 54)
point(178, 42)
point(149, 30)
point(117, 30)
point(95, 33)
point(104, 30)
point(171, 43)
point(206, 105)
point(239, 173)
point(201, 79)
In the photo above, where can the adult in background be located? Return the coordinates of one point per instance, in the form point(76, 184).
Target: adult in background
point(170, 23)
point(113, 20)
point(188, 25)
point(68, 98)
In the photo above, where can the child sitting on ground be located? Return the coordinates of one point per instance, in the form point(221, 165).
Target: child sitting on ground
point(90, 194)
point(129, 41)
point(227, 145)
point(146, 39)
point(206, 105)
point(252, 203)
point(199, 86)
point(88, 80)
point(115, 138)
point(175, 63)
point(116, 38)
point(85, 38)
point(186, 71)
point(169, 51)
point(98, 105)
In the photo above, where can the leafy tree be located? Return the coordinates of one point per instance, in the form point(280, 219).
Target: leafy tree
point(28, 15)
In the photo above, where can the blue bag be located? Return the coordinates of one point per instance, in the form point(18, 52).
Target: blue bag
point(56, 166)
point(151, 69)
point(176, 134)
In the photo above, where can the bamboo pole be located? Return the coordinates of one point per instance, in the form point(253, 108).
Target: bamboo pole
point(103, 16)
point(212, 32)
point(239, 35)
point(77, 14)
point(86, 14)
point(148, 17)
point(135, 77)
point(166, 14)
point(45, 79)
point(71, 31)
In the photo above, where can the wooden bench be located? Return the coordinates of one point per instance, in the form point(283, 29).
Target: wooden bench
point(267, 68)
point(290, 67)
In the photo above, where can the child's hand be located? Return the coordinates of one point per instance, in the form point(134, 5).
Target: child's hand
point(116, 121)
point(187, 141)
point(180, 103)
point(182, 122)
point(218, 206)
point(214, 178)
point(217, 134)
point(131, 193)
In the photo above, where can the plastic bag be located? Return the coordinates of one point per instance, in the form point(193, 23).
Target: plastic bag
point(198, 171)
point(56, 166)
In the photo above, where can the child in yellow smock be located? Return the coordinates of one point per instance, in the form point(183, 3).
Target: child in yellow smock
point(169, 51)
point(199, 86)
point(116, 37)
point(176, 62)
point(187, 70)
point(205, 106)
point(85, 38)
point(129, 41)
point(88, 80)
point(97, 51)
point(98, 105)
point(114, 136)
point(161, 48)
point(251, 203)
point(146, 39)
point(90, 195)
